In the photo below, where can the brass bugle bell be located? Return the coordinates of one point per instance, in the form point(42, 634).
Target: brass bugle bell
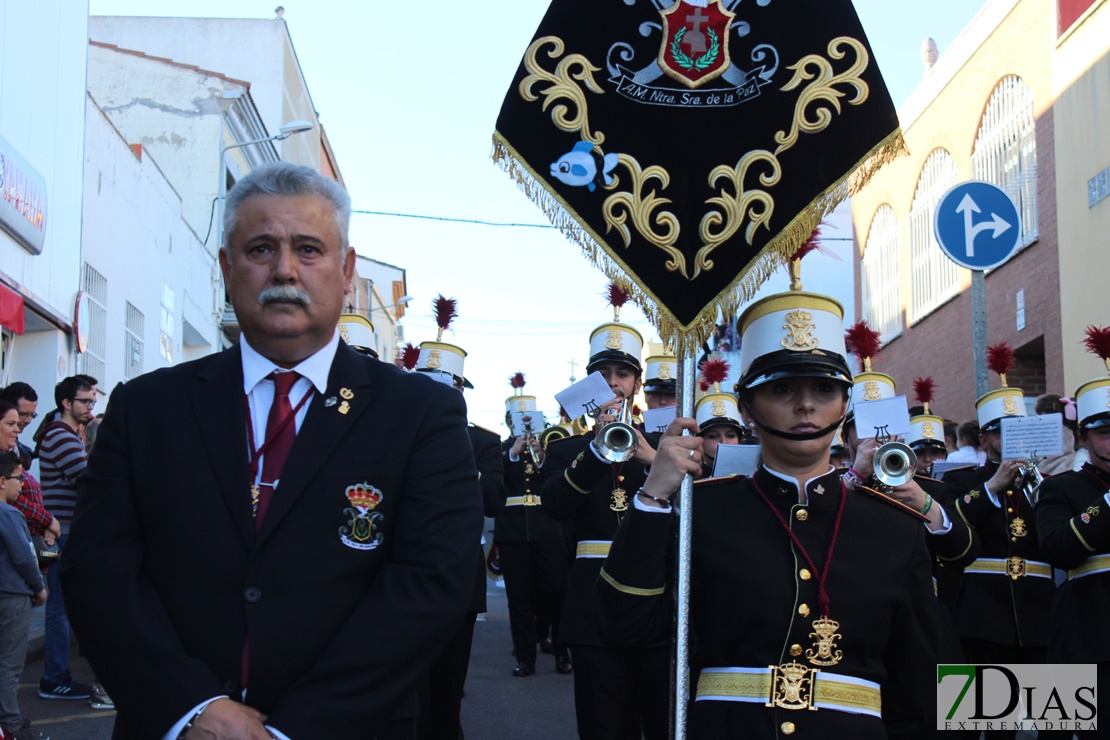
point(617, 441)
point(894, 463)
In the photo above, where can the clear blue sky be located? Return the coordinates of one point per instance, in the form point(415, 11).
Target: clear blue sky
point(409, 108)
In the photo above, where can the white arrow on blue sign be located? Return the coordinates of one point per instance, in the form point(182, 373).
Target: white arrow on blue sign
point(977, 225)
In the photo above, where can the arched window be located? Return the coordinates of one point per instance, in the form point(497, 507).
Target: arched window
point(882, 304)
point(933, 277)
point(1006, 150)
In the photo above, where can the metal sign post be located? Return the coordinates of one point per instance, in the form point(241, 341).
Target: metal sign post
point(978, 227)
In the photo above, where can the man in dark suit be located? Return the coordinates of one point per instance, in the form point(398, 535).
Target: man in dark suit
point(287, 555)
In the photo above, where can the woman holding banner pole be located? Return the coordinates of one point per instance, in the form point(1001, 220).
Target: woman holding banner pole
point(811, 604)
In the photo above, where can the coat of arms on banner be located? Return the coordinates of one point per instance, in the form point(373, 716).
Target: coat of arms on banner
point(690, 147)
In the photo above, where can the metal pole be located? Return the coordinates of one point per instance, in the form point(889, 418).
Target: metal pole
point(687, 373)
point(979, 329)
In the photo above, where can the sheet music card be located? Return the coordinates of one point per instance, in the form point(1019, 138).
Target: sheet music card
point(892, 413)
point(585, 395)
point(1026, 436)
point(535, 419)
point(736, 460)
point(657, 420)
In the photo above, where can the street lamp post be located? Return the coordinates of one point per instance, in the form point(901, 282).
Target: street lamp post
point(287, 130)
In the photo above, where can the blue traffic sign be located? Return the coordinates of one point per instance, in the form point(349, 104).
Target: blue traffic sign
point(977, 225)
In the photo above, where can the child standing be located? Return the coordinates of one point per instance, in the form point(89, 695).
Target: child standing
point(21, 587)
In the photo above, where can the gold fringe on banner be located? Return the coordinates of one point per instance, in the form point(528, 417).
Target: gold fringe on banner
point(687, 339)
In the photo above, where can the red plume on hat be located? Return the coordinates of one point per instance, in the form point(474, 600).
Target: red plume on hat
point(1000, 360)
point(713, 373)
point(1097, 342)
point(445, 312)
point(517, 382)
point(617, 296)
point(794, 262)
point(923, 390)
point(863, 342)
point(408, 357)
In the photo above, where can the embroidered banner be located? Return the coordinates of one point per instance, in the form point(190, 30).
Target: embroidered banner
point(690, 147)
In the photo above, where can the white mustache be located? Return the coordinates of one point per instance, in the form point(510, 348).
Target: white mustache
point(284, 294)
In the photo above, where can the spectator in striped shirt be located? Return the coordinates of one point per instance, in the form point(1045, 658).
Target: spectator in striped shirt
point(62, 460)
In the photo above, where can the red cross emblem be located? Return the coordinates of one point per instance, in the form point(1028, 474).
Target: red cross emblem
point(695, 42)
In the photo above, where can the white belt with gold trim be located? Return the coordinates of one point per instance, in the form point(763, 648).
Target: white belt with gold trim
point(593, 549)
point(1091, 566)
point(791, 686)
point(522, 501)
point(1013, 567)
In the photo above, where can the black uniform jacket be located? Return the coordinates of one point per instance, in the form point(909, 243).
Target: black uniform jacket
point(993, 606)
point(165, 576)
point(959, 546)
point(519, 523)
point(1073, 522)
point(487, 456)
point(753, 600)
point(578, 488)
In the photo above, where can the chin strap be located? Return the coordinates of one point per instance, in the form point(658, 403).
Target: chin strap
point(793, 435)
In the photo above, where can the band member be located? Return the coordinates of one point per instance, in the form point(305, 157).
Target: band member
point(1007, 592)
point(357, 331)
point(926, 437)
point(618, 692)
point(1073, 523)
point(660, 376)
point(532, 546)
point(441, 692)
point(827, 586)
point(717, 414)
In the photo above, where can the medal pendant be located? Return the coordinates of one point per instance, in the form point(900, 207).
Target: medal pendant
point(528, 469)
point(620, 500)
point(256, 494)
point(825, 651)
point(1017, 527)
point(530, 499)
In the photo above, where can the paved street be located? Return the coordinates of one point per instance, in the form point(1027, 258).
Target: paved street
point(497, 705)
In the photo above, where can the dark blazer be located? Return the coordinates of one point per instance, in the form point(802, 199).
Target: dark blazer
point(524, 523)
point(487, 457)
point(1073, 522)
point(750, 588)
point(165, 577)
point(993, 606)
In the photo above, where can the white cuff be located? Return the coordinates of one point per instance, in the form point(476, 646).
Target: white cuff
point(513, 458)
point(177, 728)
point(946, 523)
point(991, 496)
point(644, 507)
point(597, 454)
point(277, 733)
point(1107, 497)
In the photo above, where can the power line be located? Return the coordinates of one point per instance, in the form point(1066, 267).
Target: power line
point(508, 224)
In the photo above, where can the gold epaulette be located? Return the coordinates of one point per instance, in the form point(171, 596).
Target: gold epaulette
point(487, 431)
point(893, 502)
point(719, 479)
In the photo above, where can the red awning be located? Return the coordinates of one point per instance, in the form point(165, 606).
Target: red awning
point(11, 310)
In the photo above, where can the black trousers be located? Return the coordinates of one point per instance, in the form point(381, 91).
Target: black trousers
point(622, 694)
point(535, 586)
point(441, 690)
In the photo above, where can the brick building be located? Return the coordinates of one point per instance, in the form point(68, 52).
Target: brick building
point(987, 111)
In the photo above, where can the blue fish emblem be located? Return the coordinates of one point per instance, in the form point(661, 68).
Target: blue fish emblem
point(581, 166)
